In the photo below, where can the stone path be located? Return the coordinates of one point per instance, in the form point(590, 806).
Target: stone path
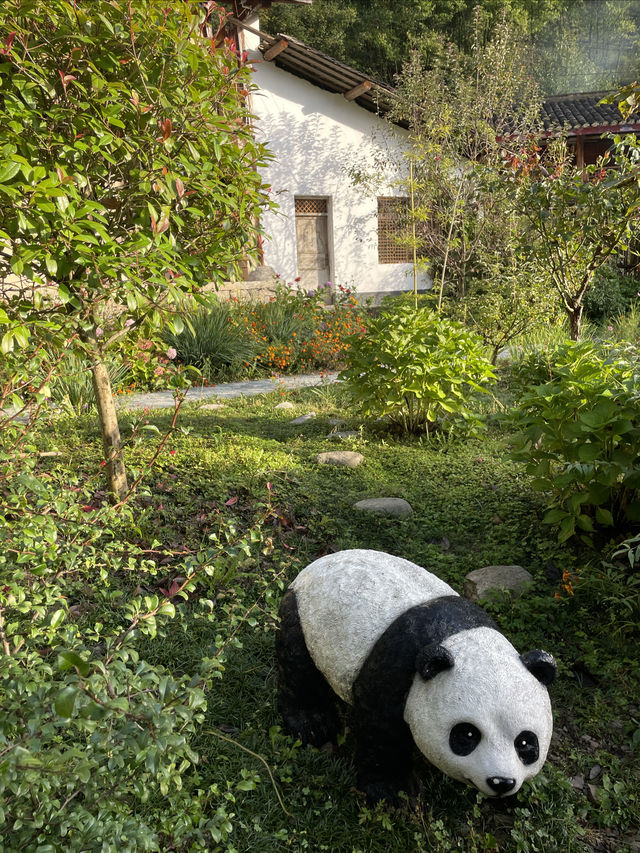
point(164, 399)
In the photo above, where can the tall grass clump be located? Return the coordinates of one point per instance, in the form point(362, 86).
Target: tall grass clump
point(215, 341)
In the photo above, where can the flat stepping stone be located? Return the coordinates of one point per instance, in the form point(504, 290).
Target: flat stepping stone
point(385, 506)
point(340, 436)
point(213, 406)
point(335, 421)
point(481, 583)
point(304, 418)
point(345, 458)
point(287, 404)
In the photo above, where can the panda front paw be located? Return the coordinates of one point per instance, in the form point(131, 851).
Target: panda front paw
point(396, 793)
point(312, 727)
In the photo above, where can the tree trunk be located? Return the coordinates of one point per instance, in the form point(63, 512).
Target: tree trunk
point(114, 457)
point(575, 321)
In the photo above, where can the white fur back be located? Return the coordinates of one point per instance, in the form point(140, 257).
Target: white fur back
point(347, 600)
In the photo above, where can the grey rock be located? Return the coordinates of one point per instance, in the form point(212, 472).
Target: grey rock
point(264, 273)
point(345, 458)
point(340, 436)
point(513, 579)
point(213, 406)
point(577, 782)
point(335, 421)
point(595, 772)
point(593, 794)
point(286, 404)
point(385, 506)
point(304, 418)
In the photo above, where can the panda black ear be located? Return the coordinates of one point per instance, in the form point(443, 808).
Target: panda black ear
point(433, 659)
point(541, 664)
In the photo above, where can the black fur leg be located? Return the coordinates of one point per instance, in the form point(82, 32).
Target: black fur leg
point(384, 743)
point(384, 759)
point(305, 699)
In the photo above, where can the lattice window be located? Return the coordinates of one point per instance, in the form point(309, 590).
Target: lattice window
point(311, 206)
point(392, 226)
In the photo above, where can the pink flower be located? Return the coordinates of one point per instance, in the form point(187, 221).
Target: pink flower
point(172, 352)
point(129, 323)
point(99, 332)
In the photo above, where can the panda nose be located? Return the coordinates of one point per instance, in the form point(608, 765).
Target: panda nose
point(501, 785)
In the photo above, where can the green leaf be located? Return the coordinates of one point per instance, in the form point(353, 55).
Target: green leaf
point(567, 528)
point(553, 516)
point(541, 484)
point(633, 511)
point(57, 618)
point(6, 345)
point(603, 516)
point(589, 452)
point(8, 171)
point(70, 660)
point(584, 523)
point(65, 701)
point(599, 493)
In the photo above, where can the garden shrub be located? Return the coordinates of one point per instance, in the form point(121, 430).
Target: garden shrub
point(417, 369)
point(610, 294)
point(579, 436)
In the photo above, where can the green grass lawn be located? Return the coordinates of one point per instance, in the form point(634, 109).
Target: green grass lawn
point(472, 507)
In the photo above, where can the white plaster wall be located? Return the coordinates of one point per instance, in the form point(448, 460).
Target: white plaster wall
point(317, 138)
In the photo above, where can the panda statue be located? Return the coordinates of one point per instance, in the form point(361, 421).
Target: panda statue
point(419, 664)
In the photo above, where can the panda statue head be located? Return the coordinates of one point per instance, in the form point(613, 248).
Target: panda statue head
point(480, 712)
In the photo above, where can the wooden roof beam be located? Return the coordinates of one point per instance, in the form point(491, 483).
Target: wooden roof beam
point(275, 49)
point(358, 90)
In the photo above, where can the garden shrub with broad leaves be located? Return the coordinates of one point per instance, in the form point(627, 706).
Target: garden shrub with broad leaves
point(417, 369)
point(578, 428)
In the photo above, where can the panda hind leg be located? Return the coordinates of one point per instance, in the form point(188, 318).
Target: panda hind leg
point(305, 700)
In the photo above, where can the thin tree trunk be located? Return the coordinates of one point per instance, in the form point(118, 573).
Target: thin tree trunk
point(575, 321)
point(114, 458)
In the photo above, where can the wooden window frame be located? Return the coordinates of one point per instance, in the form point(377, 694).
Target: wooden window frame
point(392, 211)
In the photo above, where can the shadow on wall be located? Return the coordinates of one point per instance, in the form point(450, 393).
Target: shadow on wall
point(314, 156)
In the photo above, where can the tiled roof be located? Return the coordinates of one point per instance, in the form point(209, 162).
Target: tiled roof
point(580, 112)
point(329, 73)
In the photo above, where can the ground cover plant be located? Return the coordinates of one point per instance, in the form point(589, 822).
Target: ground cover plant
point(139, 655)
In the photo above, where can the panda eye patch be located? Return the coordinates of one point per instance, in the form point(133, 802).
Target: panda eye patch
point(463, 738)
point(526, 745)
